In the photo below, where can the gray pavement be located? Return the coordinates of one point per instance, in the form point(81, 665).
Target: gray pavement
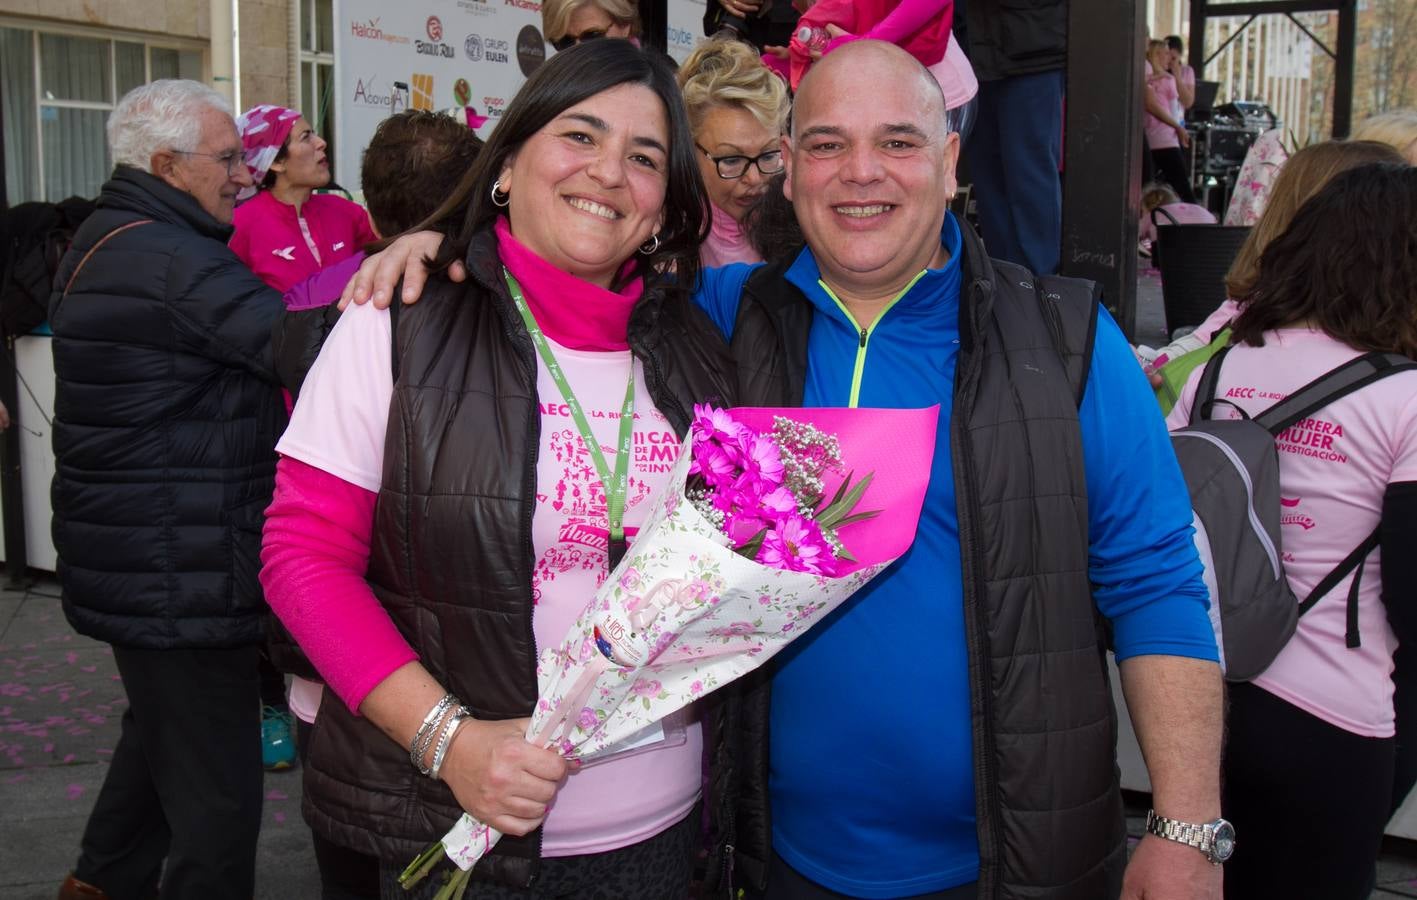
point(60, 702)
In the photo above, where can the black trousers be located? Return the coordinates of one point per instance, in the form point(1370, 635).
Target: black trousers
point(786, 883)
point(345, 874)
point(185, 781)
point(1170, 164)
point(1308, 800)
point(657, 868)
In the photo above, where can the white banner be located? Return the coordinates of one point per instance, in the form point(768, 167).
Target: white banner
point(427, 54)
point(686, 27)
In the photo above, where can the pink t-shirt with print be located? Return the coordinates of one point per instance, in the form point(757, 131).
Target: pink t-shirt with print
point(601, 807)
point(1334, 468)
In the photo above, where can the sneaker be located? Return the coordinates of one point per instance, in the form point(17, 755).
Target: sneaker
point(277, 742)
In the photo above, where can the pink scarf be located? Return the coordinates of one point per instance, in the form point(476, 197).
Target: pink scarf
point(574, 313)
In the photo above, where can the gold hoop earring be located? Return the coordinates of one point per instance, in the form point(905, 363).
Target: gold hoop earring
point(500, 198)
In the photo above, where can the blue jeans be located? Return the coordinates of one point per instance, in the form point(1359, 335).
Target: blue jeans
point(1014, 154)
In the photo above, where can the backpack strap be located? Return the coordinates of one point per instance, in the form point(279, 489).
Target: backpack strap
point(1330, 386)
point(1353, 562)
point(94, 249)
point(1070, 306)
point(1204, 400)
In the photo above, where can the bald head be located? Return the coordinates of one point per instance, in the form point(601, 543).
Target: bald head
point(874, 64)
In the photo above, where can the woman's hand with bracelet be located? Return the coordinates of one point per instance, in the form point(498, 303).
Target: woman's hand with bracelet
point(499, 778)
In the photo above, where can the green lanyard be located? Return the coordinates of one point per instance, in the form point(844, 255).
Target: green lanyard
point(615, 485)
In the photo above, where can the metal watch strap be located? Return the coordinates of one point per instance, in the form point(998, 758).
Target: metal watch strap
point(1201, 836)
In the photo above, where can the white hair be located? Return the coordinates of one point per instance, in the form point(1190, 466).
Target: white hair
point(163, 115)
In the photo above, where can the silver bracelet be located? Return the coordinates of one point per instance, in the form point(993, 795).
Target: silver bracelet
point(423, 738)
point(446, 741)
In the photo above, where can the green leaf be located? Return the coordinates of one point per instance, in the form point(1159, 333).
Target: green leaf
point(857, 517)
point(846, 555)
point(753, 544)
point(831, 515)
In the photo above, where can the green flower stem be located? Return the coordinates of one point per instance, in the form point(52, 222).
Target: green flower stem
point(422, 865)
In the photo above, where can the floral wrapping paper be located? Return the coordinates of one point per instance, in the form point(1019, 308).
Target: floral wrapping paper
point(684, 614)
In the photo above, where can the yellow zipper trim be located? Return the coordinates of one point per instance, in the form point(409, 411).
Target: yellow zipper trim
point(865, 333)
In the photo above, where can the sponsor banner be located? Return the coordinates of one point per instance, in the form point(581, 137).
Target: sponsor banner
point(437, 54)
point(430, 55)
point(685, 21)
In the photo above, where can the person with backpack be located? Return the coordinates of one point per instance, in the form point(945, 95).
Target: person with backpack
point(1311, 736)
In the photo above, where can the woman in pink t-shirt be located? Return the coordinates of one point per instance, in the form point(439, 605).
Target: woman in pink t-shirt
point(1165, 135)
point(1310, 741)
point(447, 498)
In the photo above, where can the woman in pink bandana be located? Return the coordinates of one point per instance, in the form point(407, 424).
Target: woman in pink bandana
point(285, 231)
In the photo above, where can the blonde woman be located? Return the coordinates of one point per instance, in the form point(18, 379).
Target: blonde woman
point(1397, 129)
point(737, 111)
point(569, 22)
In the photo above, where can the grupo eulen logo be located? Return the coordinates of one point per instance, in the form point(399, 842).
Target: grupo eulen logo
point(531, 49)
point(472, 47)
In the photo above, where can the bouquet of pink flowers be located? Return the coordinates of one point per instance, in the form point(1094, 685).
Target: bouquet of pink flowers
point(744, 550)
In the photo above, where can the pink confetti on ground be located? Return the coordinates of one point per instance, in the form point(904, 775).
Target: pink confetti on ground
point(275, 795)
point(16, 779)
point(280, 818)
point(68, 758)
point(75, 791)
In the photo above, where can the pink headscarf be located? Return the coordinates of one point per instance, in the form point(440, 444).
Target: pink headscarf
point(263, 131)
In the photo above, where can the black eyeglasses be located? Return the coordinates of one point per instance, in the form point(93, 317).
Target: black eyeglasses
point(571, 40)
point(769, 163)
point(232, 159)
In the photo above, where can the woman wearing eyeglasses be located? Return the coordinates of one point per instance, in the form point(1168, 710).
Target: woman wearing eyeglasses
point(569, 22)
point(284, 231)
point(737, 111)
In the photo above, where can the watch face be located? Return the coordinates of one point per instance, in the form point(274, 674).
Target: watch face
point(1224, 840)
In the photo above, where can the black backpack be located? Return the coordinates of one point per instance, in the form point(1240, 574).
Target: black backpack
point(33, 239)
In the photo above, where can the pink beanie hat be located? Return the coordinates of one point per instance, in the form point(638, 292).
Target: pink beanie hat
point(263, 131)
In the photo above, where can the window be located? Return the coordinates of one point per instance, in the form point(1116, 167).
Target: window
point(317, 70)
point(57, 90)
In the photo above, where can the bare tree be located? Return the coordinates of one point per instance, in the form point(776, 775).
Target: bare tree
point(1392, 56)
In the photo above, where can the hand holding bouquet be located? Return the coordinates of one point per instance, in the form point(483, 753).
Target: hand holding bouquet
point(756, 537)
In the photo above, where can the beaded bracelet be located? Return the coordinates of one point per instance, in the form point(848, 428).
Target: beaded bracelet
point(446, 740)
point(423, 738)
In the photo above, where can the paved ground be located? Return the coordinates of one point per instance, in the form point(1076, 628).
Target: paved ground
point(60, 701)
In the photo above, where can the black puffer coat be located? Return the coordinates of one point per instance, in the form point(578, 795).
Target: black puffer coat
point(165, 421)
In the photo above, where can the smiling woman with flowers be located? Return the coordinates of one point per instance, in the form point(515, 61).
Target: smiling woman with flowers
point(484, 456)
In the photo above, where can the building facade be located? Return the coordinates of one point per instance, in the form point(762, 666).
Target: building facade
point(65, 63)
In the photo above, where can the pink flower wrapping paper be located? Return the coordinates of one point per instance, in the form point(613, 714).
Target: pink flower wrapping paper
point(684, 614)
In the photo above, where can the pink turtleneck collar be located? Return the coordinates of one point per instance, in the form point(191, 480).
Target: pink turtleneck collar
point(572, 312)
point(727, 242)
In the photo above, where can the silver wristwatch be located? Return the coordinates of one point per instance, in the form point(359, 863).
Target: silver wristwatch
point(1214, 839)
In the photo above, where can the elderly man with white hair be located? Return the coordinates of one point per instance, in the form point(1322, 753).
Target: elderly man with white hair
point(166, 416)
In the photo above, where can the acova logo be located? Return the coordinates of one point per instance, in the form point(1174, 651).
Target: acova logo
point(373, 31)
point(369, 93)
point(531, 48)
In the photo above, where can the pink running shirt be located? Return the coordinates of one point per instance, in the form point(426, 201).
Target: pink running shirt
point(338, 426)
point(1333, 470)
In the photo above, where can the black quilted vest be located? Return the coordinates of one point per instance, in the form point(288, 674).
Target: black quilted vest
point(451, 556)
point(1049, 806)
